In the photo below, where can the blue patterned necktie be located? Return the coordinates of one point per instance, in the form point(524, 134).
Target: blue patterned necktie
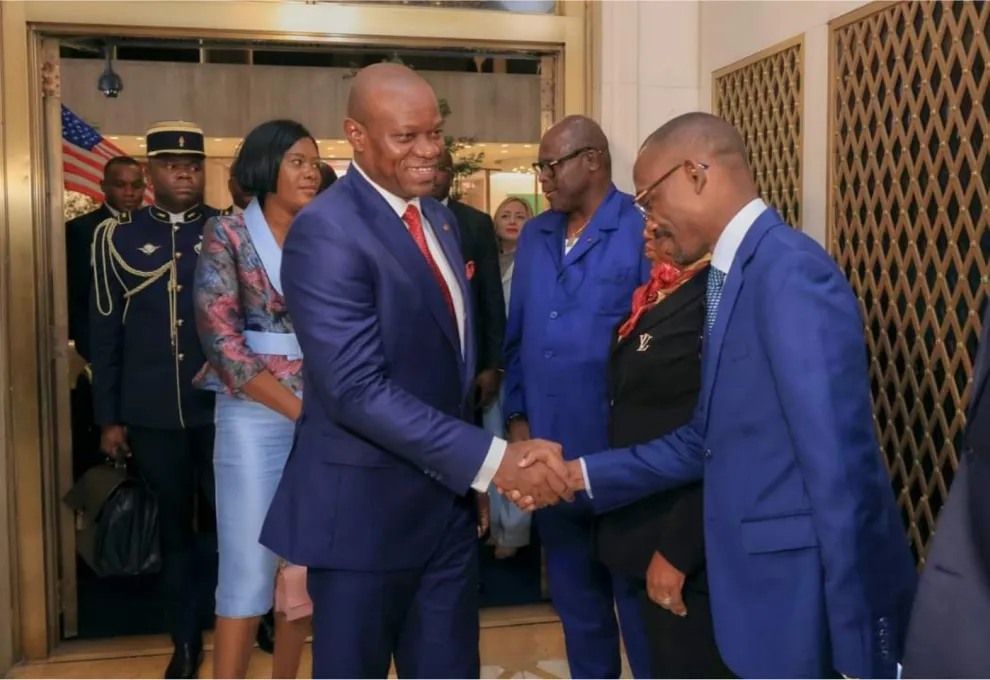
point(713, 295)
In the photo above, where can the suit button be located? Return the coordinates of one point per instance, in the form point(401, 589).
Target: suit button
point(708, 454)
point(548, 355)
point(178, 255)
point(178, 323)
point(178, 288)
point(553, 315)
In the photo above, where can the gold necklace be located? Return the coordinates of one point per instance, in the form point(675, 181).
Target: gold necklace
point(572, 239)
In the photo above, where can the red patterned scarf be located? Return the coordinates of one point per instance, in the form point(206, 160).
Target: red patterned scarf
point(664, 280)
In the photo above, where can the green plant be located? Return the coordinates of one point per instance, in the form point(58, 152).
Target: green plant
point(465, 164)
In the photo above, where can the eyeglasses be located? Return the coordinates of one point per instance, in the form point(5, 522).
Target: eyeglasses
point(550, 167)
point(642, 199)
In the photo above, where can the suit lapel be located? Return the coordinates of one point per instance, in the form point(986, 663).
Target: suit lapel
point(734, 281)
point(392, 232)
point(605, 219)
point(690, 291)
point(443, 230)
point(553, 238)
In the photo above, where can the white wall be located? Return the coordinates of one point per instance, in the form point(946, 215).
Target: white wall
point(657, 58)
point(649, 65)
point(730, 31)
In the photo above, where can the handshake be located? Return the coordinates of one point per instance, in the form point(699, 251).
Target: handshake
point(534, 474)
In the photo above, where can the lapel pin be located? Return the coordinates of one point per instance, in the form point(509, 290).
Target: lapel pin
point(446, 227)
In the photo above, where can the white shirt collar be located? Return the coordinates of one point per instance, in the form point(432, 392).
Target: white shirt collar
point(734, 233)
point(397, 204)
point(446, 201)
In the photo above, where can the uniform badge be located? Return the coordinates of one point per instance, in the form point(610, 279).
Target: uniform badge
point(644, 342)
point(149, 248)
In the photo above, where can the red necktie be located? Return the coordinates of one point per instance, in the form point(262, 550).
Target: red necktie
point(415, 224)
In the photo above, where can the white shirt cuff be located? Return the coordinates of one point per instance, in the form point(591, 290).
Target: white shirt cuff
point(490, 465)
point(587, 482)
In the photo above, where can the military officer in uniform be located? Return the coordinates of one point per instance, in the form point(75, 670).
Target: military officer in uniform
point(145, 353)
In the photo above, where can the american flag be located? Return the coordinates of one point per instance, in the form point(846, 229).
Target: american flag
point(84, 153)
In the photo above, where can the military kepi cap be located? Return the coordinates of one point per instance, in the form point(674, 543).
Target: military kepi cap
point(174, 137)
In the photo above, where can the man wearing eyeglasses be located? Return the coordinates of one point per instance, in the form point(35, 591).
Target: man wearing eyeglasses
point(576, 268)
point(808, 565)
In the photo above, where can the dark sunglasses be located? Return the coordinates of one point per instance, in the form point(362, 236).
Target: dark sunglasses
point(642, 199)
point(550, 167)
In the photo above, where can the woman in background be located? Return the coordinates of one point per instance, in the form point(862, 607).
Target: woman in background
point(256, 367)
point(654, 380)
point(510, 526)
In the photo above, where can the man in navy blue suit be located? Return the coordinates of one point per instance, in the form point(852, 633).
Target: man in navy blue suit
point(808, 563)
point(378, 494)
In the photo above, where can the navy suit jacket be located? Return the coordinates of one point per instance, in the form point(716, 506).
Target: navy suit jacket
point(808, 563)
point(382, 455)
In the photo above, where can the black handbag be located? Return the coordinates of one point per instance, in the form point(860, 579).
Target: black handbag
point(117, 532)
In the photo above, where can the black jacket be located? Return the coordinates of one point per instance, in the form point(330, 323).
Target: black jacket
point(654, 382)
point(79, 274)
point(480, 248)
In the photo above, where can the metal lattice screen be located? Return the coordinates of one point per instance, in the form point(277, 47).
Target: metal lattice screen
point(762, 97)
point(910, 169)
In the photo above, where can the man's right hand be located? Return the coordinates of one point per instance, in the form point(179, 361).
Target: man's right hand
point(113, 441)
point(544, 482)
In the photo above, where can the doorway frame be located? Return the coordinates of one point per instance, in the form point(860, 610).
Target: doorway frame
point(27, 421)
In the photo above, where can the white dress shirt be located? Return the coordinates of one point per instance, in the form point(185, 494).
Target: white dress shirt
point(723, 255)
point(497, 449)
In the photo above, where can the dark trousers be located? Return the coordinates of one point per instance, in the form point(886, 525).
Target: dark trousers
point(427, 618)
point(173, 462)
point(683, 647)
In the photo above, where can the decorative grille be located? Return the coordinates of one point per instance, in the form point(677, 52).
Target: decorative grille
point(762, 97)
point(909, 173)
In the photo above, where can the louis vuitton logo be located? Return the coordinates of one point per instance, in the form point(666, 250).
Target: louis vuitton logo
point(644, 342)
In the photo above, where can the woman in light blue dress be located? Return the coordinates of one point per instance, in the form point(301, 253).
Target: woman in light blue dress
point(255, 366)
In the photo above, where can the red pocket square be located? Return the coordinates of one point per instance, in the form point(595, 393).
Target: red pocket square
point(469, 270)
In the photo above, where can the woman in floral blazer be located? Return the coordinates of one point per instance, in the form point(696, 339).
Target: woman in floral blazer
point(255, 366)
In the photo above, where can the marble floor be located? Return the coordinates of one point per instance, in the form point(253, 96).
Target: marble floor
point(516, 642)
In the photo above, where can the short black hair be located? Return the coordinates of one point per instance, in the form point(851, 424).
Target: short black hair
point(116, 161)
point(255, 169)
point(327, 176)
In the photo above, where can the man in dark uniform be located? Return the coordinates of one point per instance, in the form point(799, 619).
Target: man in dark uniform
point(123, 191)
point(145, 353)
point(480, 250)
